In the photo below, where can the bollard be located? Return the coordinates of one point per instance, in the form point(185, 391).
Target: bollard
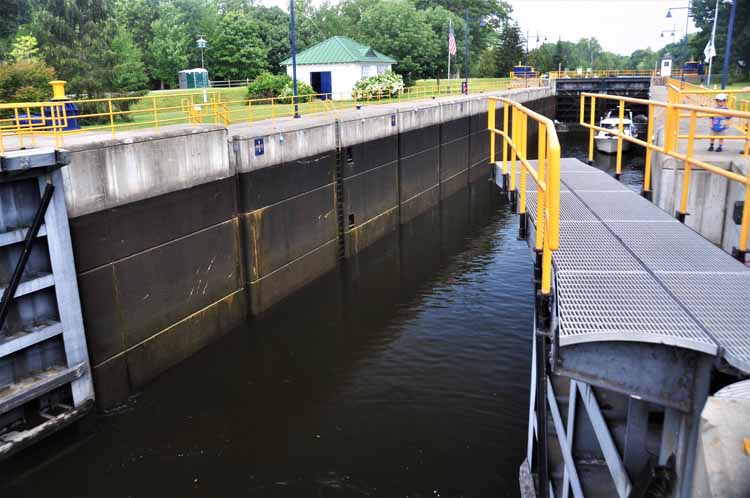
point(58, 89)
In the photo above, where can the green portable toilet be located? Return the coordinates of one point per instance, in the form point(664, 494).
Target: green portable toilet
point(193, 78)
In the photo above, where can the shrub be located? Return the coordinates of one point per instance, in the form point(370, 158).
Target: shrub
point(387, 84)
point(25, 81)
point(269, 85)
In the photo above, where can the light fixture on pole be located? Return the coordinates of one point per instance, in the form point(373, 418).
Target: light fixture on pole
point(294, 60)
point(202, 44)
point(687, 25)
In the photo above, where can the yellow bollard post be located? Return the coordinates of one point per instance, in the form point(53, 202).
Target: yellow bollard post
point(620, 127)
point(58, 89)
point(686, 175)
point(592, 122)
point(649, 153)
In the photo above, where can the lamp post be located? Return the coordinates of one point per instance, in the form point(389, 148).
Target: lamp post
point(687, 25)
point(294, 60)
point(671, 31)
point(728, 51)
point(202, 44)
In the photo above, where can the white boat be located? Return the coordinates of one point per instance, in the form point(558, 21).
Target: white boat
point(607, 142)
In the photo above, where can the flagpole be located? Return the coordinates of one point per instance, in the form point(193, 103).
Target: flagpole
point(713, 44)
point(450, 27)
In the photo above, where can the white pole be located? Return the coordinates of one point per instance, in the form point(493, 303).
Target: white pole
point(713, 43)
point(450, 27)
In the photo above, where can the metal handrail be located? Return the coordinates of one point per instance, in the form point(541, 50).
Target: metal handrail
point(27, 120)
point(601, 73)
point(670, 147)
point(546, 176)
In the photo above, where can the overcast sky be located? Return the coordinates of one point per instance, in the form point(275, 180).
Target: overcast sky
point(621, 26)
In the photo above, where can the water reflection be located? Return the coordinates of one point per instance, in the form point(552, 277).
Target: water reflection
point(403, 374)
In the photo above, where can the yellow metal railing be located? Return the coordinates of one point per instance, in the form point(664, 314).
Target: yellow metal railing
point(673, 117)
point(546, 175)
point(22, 123)
point(600, 73)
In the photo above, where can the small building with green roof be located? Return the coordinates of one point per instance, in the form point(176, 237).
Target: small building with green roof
point(332, 67)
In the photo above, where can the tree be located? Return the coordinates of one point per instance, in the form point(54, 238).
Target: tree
point(129, 72)
point(75, 37)
point(274, 31)
point(509, 50)
point(238, 50)
point(703, 15)
point(169, 46)
point(25, 81)
point(24, 48)
point(397, 29)
point(487, 65)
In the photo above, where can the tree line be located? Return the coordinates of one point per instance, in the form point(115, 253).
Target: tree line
point(106, 46)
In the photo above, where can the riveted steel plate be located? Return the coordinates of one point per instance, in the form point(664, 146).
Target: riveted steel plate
point(571, 208)
point(623, 206)
point(597, 306)
point(674, 247)
point(591, 247)
point(591, 180)
point(738, 390)
point(720, 302)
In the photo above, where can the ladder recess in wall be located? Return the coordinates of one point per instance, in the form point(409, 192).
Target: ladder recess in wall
point(45, 379)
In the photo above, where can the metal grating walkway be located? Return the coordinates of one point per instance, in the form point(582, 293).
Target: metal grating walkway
point(628, 271)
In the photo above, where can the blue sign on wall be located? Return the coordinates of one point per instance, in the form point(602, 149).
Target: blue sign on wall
point(259, 147)
point(393, 120)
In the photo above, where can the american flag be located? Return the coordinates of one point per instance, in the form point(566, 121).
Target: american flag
point(451, 41)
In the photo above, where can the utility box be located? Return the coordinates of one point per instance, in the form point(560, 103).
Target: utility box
point(193, 78)
point(666, 68)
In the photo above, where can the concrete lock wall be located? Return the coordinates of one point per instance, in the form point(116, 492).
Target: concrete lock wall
point(181, 234)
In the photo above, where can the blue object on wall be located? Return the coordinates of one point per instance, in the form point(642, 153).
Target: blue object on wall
point(259, 147)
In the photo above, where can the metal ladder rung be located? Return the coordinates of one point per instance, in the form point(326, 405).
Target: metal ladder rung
point(29, 336)
point(17, 236)
point(37, 385)
point(43, 281)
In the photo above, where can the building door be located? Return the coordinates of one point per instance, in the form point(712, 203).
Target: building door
point(326, 85)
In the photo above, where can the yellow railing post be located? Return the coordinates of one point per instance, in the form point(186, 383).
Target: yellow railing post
point(592, 121)
point(742, 246)
point(541, 194)
point(156, 111)
point(505, 141)
point(649, 153)
point(491, 120)
point(523, 156)
point(620, 126)
point(686, 175)
point(111, 117)
point(513, 152)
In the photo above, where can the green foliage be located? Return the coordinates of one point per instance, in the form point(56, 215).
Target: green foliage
point(75, 37)
point(129, 72)
point(269, 85)
point(25, 81)
point(169, 46)
point(238, 50)
point(388, 84)
point(396, 28)
point(24, 48)
point(509, 50)
point(487, 65)
point(703, 14)
point(274, 34)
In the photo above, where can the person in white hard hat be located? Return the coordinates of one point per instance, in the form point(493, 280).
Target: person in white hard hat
point(719, 124)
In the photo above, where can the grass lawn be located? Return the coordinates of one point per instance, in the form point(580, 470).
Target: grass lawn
point(738, 85)
point(174, 106)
